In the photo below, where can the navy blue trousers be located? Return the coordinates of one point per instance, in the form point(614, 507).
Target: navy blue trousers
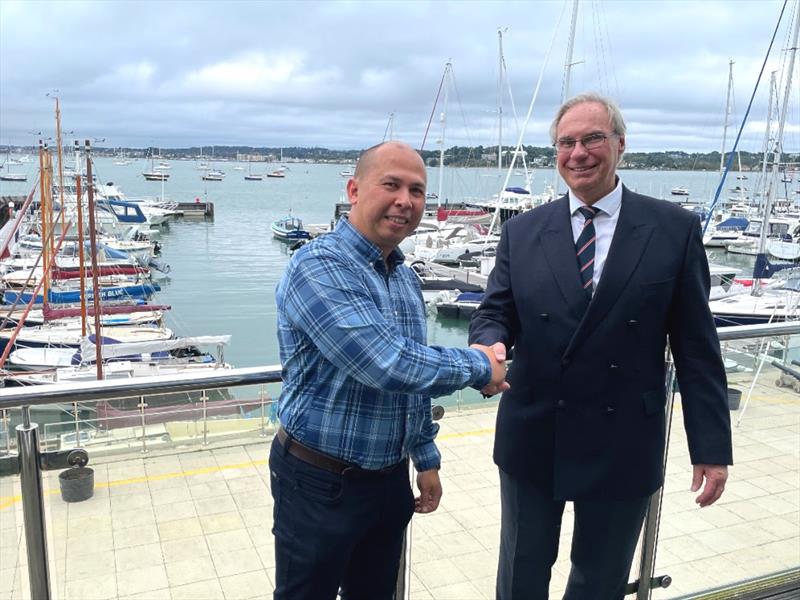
point(336, 531)
point(603, 543)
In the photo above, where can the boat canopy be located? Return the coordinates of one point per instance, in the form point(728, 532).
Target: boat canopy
point(113, 349)
point(733, 224)
point(517, 190)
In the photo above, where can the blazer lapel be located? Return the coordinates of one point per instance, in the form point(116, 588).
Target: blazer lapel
point(631, 237)
point(559, 251)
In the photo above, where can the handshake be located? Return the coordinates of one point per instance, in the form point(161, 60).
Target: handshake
point(496, 353)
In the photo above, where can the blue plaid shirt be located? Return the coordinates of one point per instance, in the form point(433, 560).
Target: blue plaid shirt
point(357, 374)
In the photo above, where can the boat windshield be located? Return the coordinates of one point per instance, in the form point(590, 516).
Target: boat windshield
point(792, 284)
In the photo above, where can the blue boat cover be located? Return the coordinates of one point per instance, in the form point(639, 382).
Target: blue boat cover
point(470, 297)
point(517, 190)
point(733, 224)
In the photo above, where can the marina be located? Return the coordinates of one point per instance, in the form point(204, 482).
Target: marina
point(192, 466)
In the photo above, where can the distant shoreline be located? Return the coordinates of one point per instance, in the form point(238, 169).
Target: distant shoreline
point(457, 156)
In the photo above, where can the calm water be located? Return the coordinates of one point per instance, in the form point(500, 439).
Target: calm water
point(224, 272)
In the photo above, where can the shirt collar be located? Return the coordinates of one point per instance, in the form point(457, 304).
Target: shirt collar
point(364, 247)
point(609, 203)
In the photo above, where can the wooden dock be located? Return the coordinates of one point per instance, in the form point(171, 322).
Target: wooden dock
point(196, 210)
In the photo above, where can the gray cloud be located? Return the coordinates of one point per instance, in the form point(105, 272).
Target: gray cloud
point(329, 73)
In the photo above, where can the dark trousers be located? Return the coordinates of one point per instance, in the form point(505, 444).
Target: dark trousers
point(335, 530)
point(603, 543)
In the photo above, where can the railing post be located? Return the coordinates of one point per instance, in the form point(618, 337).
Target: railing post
point(142, 405)
point(30, 475)
point(647, 562)
point(262, 394)
point(77, 425)
point(204, 397)
point(8, 432)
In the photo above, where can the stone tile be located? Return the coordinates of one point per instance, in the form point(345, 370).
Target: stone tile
point(478, 565)
point(257, 517)
point(215, 505)
point(162, 594)
point(438, 573)
point(158, 485)
point(236, 561)
point(135, 581)
point(8, 577)
point(463, 590)
point(133, 518)
point(253, 499)
point(130, 501)
point(216, 523)
point(184, 549)
point(255, 584)
point(94, 588)
point(253, 483)
point(175, 511)
point(267, 554)
point(208, 489)
point(261, 536)
point(457, 544)
point(203, 590)
point(148, 555)
point(179, 528)
point(182, 572)
point(90, 566)
point(170, 495)
point(89, 544)
point(135, 536)
point(227, 541)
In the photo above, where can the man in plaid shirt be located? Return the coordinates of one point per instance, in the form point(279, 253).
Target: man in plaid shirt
point(358, 379)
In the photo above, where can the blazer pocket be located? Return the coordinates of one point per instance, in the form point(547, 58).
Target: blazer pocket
point(656, 286)
point(654, 401)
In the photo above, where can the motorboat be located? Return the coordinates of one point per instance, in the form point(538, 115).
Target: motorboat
point(213, 176)
point(289, 229)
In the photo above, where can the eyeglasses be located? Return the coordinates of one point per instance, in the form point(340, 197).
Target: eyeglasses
point(593, 140)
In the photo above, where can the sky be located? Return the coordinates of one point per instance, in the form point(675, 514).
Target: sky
point(304, 73)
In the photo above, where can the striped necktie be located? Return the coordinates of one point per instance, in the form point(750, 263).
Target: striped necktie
point(584, 248)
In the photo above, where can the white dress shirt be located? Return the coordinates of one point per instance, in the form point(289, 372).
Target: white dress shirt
point(605, 223)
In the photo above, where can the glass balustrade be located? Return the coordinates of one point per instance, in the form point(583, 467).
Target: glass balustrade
point(181, 508)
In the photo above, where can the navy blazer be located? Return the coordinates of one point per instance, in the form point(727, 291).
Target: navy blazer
point(585, 417)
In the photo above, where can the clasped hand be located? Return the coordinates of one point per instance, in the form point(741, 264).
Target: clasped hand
point(496, 353)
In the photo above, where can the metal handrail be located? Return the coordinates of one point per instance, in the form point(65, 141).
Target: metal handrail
point(742, 332)
point(56, 393)
point(110, 389)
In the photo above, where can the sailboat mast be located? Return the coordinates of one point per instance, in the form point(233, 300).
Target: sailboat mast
point(59, 153)
point(565, 87)
point(778, 154)
point(773, 92)
point(95, 284)
point(727, 116)
point(500, 100)
point(443, 120)
point(81, 258)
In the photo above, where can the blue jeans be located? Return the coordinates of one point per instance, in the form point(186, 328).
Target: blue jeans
point(336, 531)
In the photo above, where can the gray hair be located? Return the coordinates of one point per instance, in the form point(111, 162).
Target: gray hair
point(615, 119)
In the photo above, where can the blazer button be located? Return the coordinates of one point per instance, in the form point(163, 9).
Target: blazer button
point(610, 410)
point(561, 404)
point(633, 323)
point(613, 366)
point(544, 316)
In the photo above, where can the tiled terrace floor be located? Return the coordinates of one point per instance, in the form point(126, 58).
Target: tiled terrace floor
point(196, 525)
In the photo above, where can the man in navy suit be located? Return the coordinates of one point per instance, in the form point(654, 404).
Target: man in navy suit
point(587, 290)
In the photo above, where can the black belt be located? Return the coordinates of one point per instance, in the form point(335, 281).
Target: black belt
point(324, 461)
